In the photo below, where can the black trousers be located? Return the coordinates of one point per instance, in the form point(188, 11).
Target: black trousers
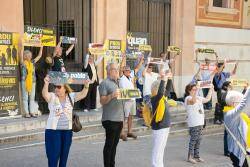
point(236, 161)
point(113, 130)
point(218, 114)
point(89, 102)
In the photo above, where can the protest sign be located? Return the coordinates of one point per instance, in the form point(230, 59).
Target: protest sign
point(238, 82)
point(205, 50)
point(97, 49)
point(153, 60)
point(133, 42)
point(68, 77)
point(129, 94)
point(174, 49)
point(145, 48)
point(114, 47)
point(9, 72)
point(204, 84)
point(68, 40)
point(39, 36)
point(210, 67)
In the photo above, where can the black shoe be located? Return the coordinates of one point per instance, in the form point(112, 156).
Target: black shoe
point(227, 154)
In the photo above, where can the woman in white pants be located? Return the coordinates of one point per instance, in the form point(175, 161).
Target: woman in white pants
point(161, 121)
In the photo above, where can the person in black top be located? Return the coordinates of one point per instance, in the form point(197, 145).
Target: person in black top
point(58, 56)
point(160, 127)
point(90, 67)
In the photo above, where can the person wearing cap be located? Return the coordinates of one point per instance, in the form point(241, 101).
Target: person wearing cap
point(236, 121)
point(58, 133)
point(219, 78)
point(127, 81)
point(59, 55)
point(89, 67)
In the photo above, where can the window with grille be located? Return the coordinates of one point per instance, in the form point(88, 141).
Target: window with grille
point(67, 28)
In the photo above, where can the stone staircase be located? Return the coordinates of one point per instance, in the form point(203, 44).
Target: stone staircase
point(23, 132)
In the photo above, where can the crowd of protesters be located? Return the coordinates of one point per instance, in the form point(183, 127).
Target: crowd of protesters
point(156, 86)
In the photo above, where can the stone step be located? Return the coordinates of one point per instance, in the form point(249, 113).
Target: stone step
point(28, 124)
point(91, 129)
point(99, 135)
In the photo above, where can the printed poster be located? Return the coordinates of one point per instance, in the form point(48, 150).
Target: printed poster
point(68, 77)
point(9, 72)
point(39, 36)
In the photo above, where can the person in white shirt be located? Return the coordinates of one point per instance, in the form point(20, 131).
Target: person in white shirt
point(127, 81)
point(149, 78)
point(195, 120)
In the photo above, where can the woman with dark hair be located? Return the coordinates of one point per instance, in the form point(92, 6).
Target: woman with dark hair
point(58, 133)
point(195, 120)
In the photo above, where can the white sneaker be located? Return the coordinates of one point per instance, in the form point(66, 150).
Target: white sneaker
point(85, 110)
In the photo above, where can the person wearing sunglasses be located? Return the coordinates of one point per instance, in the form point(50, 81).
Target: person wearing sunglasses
point(195, 120)
point(58, 133)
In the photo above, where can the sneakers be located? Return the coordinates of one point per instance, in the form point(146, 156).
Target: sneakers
point(199, 160)
point(218, 122)
point(27, 115)
point(131, 135)
point(33, 115)
point(192, 160)
point(85, 110)
point(123, 137)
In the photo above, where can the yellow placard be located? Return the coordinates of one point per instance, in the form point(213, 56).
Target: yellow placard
point(174, 49)
point(145, 48)
point(129, 94)
point(238, 82)
point(9, 48)
point(39, 36)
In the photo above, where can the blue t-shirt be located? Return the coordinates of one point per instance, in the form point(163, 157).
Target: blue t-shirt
point(221, 78)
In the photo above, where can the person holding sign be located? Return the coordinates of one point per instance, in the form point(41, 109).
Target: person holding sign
point(160, 122)
point(195, 120)
point(237, 125)
point(149, 78)
point(113, 114)
point(127, 81)
point(90, 67)
point(28, 81)
point(58, 133)
point(58, 56)
point(219, 78)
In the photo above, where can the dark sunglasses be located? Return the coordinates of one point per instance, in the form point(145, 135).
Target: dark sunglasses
point(58, 86)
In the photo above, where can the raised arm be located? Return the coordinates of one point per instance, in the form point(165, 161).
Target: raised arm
point(80, 95)
point(39, 54)
point(57, 46)
point(209, 95)
point(139, 65)
point(235, 69)
point(45, 91)
point(70, 49)
point(122, 65)
point(144, 71)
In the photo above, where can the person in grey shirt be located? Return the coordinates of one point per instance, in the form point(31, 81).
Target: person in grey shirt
point(113, 114)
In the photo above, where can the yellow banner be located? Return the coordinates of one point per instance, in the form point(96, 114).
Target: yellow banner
point(145, 48)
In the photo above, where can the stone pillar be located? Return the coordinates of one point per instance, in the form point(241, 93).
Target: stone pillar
point(183, 35)
point(11, 16)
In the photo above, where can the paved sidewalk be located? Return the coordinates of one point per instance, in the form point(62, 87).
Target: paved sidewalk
point(134, 153)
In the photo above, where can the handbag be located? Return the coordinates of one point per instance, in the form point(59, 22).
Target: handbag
point(76, 124)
